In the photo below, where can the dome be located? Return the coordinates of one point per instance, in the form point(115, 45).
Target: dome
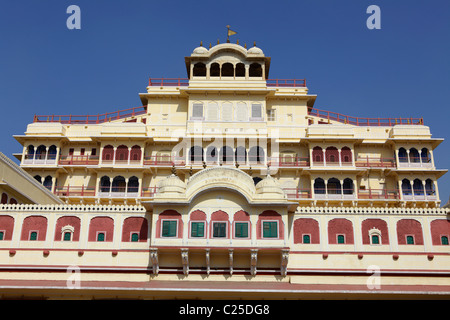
point(200, 50)
point(255, 50)
point(269, 185)
point(172, 184)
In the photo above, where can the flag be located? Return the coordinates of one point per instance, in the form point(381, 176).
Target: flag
point(231, 32)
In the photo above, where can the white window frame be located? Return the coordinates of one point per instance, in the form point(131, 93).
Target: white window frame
point(261, 117)
point(161, 231)
point(278, 230)
point(202, 117)
point(375, 232)
point(248, 230)
point(204, 229)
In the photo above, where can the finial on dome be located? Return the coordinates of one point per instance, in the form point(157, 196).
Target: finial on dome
point(245, 45)
point(218, 41)
point(254, 43)
point(237, 42)
point(210, 45)
point(201, 43)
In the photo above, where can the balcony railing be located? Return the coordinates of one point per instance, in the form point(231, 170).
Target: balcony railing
point(286, 82)
point(163, 161)
point(334, 194)
point(39, 159)
point(72, 160)
point(372, 162)
point(379, 194)
point(168, 82)
point(74, 191)
point(92, 119)
point(118, 192)
point(358, 121)
point(297, 193)
point(414, 162)
point(428, 195)
point(284, 161)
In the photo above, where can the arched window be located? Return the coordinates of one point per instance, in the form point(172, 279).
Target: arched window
point(241, 111)
point(38, 178)
point(332, 155)
point(122, 154)
point(346, 155)
point(429, 187)
point(241, 155)
point(199, 70)
point(319, 186)
point(227, 70)
point(105, 184)
point(30, 152)
point(212, 111)
point(41, 152)
point(402, 155)
point(135, 153)
point(317, 155)
point(108, 153)
point(227, 111)
point(48, 182)
point(255, 70)
point(4, 198)
point(214, 70)
point(51, 152)
point(425, 155)
point(414, 155)
point(334, 186)
point(348, 186)
point(256, 155)
point(211, 154)
point(406, 187)
point(133, 185)
point(226, 154)
point(196, 154)
point(240, 70)
point(118, 184)
point(418, 187)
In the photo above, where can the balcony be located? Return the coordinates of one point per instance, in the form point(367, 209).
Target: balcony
point(359, 121)
point(39, 159)
point(414, 162)
point(286, 83)
point(297, 193)
point(149, 192)
point(74, 191)
point(164, 161)
point(119, 192)
point(419, 196)
point(84, 160)
point(289, 162)
point(378, 194)
point(373, 162)
point(334, 194)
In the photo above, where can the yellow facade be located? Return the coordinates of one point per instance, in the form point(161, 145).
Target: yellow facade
point(228, 178)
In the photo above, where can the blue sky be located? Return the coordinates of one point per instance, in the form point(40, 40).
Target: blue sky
point(401, 70)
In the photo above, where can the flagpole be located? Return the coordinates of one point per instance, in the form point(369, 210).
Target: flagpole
point(228, 33)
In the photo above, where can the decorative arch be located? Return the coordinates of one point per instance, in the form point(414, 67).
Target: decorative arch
point(346, 155)
point(7, 226)
point(108, 153)
point(62, 222)
point(199, 70)
point(169, 215)
point(269, 216)
point(135, 225)
point(122, 154)
point(440, 229)
point(407, 228)
point(135, 153)
point(317, 154)
point(34, 228)
point(378, 224)
point(103, 225)
point(306, 227)
point(332, 155)
point(340, 227)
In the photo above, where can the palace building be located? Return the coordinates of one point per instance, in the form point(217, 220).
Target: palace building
point(224, 184)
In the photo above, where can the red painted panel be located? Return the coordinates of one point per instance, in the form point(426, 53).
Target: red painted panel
point(7, 226)
point(306, 226)
point(75, 222)
point(379, 224)
point(340, 226)
point(439, 228)
point(270, 215)
point(101, 224)
point(171, 215)
point(135, 224)
point(406, 227)
point(220, 216)
point(34, 223)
